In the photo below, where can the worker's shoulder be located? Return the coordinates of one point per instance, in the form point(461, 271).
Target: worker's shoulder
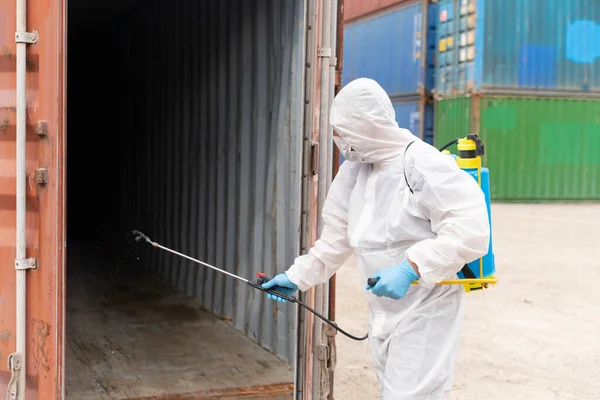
point(421, 157)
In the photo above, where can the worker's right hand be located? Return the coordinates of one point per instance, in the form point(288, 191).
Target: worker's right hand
point(281, 283)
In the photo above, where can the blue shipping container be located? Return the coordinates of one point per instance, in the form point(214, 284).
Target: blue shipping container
point(390, 49)
point(518, 44)
point(409, 115)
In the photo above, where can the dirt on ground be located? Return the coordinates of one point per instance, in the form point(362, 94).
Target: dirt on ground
point(534, 336)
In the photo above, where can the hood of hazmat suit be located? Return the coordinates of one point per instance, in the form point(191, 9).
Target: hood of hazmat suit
point(371, 213)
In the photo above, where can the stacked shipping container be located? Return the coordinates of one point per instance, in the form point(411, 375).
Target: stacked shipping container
point(396, 48)
point(516, 45)
point(513, 71)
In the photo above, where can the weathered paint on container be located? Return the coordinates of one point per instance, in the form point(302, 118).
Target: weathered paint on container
point(354, 9)
point(537, 149)
point(221, 184)
point(534, 45)
point(394, 48)
point(45, 227)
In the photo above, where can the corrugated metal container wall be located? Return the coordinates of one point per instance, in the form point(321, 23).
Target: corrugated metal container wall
point(354, 9)
point(452, 120)
point(390, 49)
point(211, 151)
point(542, 149)
point(536, 149)
point(513, 44)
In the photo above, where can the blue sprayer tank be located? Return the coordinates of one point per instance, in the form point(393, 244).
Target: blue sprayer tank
point(471, 150)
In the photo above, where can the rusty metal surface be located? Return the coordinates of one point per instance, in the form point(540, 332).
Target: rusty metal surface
point(273, 392)
point(45, 230)
point(355, 9)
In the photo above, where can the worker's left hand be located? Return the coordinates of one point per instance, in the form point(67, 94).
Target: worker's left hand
point(394, 281)
point(281, 283)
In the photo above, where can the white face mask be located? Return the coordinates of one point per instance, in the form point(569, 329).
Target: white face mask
point(346, 150)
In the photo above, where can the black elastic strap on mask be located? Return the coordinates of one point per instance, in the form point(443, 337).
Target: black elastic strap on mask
point(404, 170)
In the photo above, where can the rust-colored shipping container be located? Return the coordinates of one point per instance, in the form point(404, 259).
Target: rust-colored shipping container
point(188, 121)
point(355, 9)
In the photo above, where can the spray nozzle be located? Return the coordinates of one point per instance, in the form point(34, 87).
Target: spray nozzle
point(139, 236)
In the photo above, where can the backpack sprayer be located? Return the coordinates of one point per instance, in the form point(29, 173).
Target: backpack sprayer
point(261, 279)
point(478, 274)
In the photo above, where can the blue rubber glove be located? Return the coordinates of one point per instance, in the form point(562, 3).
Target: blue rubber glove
point(394, 281)
point(283, 285)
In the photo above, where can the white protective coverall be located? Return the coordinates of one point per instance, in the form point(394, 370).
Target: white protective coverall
point(371, 213)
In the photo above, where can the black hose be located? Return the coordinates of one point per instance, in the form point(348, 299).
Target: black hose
point(454, 141)
point(274, 291)
point(332, 324)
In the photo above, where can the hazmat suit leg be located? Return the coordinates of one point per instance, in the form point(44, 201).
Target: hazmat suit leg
point(416, 360)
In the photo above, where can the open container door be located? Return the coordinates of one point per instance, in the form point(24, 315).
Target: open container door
point(42, 182)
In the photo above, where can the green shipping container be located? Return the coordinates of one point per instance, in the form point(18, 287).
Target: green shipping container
point(537, 149)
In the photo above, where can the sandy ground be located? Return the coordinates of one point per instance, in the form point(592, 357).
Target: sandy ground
point(535, 335)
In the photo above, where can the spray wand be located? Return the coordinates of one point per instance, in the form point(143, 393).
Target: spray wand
point(261, 279)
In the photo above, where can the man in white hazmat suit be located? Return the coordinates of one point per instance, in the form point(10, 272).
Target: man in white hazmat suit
point(407, 213)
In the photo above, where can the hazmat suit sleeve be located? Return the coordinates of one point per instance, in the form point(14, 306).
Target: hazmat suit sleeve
point(455, 205)
point(332, 249)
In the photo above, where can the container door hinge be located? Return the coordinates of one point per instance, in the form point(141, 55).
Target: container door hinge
point(26, 37)
point(41, 128)
point(314, 158)
point(40, 176)
point(28, 263)
point(15, 363)
point(323, 357)
point(324, 52)
point(330, 333)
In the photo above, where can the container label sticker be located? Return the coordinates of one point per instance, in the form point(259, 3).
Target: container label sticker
point(417, 26)
point(463, 39)
point(471, 8)
point(471, 22)
point(444, 15)
point(471, 53)
point(471, 37)
point(442, 45)
point(449, 42)
point(446, 10)
point(463, 55)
